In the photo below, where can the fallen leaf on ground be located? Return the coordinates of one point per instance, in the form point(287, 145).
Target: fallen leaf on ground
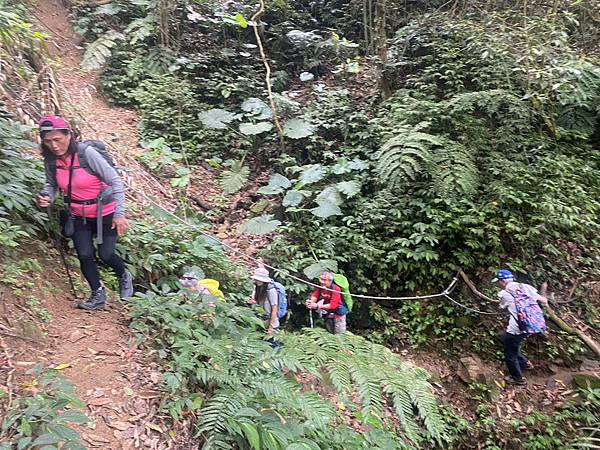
point(155, 377)
point(154, 427)
point(99, 401)
point(94, 437)
point(62, 366)
point(117, 424)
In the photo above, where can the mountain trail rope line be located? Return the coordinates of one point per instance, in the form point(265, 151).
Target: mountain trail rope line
point(445, 293)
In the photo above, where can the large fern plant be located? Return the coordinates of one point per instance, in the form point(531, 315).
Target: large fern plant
point(413, 154)
point(251, 396)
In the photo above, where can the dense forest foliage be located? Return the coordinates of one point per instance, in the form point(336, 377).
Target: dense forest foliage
point(402, 141)
point(415, 138)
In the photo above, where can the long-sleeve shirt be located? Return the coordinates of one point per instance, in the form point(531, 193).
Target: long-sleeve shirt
point(507, 301)
point(333, 298)
point(268, 300)
point(84, 185)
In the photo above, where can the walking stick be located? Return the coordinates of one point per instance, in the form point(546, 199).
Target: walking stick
point(58, 245)
point(312, 325)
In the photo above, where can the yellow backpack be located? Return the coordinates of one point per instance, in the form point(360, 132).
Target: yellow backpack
point(213, 287)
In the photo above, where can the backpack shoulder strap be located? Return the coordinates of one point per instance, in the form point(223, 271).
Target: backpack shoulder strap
point(82, 150)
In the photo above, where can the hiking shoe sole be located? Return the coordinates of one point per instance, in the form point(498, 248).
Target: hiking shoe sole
point(88, 307)
point(519, 382)
point(126, 285)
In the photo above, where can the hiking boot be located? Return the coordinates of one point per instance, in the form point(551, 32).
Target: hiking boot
point(126, 285)
point(527, 366)
point(95, 302)
point(516, 381)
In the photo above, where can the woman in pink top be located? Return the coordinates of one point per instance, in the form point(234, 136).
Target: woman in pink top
point(96, 199)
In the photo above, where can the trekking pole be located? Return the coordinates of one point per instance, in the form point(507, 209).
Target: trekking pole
point(58, 245)
point(312, 325)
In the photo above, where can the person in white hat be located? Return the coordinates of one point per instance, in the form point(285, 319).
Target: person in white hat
point(265, 294)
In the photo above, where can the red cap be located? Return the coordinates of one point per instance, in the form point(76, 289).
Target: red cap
point(51, 123)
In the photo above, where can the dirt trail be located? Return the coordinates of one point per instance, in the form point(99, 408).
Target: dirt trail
point(107, 371)
point(77, 88)
point(82, 102)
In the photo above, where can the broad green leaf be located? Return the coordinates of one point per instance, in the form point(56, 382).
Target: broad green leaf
point(216, 118)
point(277, 184)
point(240, 20)
point(74, 446)
point(234, 179)
point(256, 106)
point(331, 195)
point(312, 174)
point(349, 188)
point(294, 197)
point(65, 433)
point(46, 439)
point(109, 9)
point(326, 209)
point(73, 416)
point(303, 446)
point(159, 213)
point(22, 443)
point(316, 269)
point(343, 166)
point(358, 164)
point(264, 224)
point(250, 129)
point(247, 412)
point(252, 435)
point(297, 129)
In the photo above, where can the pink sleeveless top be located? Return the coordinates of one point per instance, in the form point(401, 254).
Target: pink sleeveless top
point(84, 186)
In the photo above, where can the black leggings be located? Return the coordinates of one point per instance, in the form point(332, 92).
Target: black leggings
point(515, 360)
point(84, 245)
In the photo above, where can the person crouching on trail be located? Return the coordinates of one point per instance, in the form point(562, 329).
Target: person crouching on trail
point(96, 199)
point(206, 286)
point(330, 301)
point(526, 317)
point(265, 295)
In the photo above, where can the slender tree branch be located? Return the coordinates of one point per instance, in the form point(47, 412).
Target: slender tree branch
point(255, 20)
point(591, 343)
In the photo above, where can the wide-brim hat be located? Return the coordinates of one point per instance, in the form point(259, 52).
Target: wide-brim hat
point(261, 274)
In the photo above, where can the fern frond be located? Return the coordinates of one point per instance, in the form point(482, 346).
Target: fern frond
point(339, 374)
point(368, 388)
point(403, 407)
point(97, 53)
point(276, 387)
point(220, 408)
point(412, 154)
point(455, 172)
